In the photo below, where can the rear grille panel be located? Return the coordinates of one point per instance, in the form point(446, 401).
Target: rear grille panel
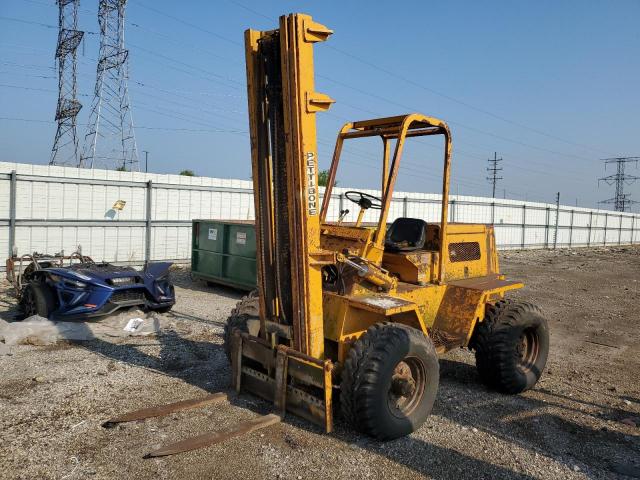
point(464, 251)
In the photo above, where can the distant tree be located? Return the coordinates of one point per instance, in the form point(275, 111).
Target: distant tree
point(121, 168)
point(323, 178)
point(188, 173)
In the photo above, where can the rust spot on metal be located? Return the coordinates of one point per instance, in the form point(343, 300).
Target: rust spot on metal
point(162, 410)
point(212, 438)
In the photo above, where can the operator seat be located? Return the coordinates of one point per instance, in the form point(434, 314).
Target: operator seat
point(406, 234)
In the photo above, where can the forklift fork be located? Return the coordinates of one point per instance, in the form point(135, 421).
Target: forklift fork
point(293, 381)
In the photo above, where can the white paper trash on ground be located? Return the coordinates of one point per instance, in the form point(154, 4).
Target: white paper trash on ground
point(133, 325)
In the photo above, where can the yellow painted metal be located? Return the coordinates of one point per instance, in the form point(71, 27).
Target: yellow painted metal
point(298, 33)
point(425, 295)
point(441, 289)
point(259, 147)
point(282, 105)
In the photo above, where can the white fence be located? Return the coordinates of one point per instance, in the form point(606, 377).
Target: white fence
point(49, 209)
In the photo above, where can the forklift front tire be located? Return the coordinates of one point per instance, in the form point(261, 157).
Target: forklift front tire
point(389, 381)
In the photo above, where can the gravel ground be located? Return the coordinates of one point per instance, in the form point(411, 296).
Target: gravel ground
point(581, 420)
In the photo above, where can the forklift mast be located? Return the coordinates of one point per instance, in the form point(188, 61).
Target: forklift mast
point(282, 108)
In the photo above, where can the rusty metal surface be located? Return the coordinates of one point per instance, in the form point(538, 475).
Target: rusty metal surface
point(280, 397)
point(381, 304)
point(16, 266)
point(212, 438)
point(491, 282)
point(162, 410)
point(458, 311)
point(444, 341)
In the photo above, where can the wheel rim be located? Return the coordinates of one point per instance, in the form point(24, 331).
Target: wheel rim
point(407, 386)
point(527, 348)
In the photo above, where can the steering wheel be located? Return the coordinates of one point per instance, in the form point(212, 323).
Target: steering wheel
point(364, 200)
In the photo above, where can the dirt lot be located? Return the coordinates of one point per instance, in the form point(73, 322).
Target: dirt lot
point(581, 421)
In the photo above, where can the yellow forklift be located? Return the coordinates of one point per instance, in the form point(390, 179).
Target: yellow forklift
point(351, 312)
point(360, 311)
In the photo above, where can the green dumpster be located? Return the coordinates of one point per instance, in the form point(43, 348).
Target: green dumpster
point(224, 252)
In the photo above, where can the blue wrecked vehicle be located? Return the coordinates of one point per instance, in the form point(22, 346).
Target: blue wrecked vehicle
point(77, 288)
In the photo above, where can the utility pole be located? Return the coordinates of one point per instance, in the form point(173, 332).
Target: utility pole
point(146, 161)
point(493, 170)
point(621, 201)
point(110, 141)
point(65, 144)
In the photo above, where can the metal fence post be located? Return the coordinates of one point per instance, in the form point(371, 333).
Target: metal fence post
point(633, 226)
point(524, 223)
point(405, 208)
point(571, 230)
point(493, 213)
point(13, 182)
point(589, 232)
point(620, 231)
point(546, 228)
point(606, 221)
point(453, 211)
point(147, 246)
point(555, 233)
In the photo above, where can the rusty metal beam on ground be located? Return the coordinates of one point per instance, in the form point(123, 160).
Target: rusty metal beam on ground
point(212, 438)
point(162, 410)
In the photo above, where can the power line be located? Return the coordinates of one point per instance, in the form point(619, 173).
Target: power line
point(167, 129)
point(189, 24)
point(493, 170)
point(39, 24)
point(621, 201)
point(35, 2)
point(330, 79)
point(389, 72)
point(239, 44)
point(393, 73)
point(471, 155)
point(452, 122)
point(28, 22)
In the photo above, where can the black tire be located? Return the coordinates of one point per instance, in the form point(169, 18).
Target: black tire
point(246, 312)
point(37, 299)
point(511, 345)
point(389, 381)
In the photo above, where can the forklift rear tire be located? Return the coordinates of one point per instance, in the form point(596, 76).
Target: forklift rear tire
point(389, 381)
point(511, 345)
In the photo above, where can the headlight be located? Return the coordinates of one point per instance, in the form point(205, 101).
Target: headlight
point(74, 283)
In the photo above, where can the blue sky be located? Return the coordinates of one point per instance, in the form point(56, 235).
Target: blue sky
point(551, 86)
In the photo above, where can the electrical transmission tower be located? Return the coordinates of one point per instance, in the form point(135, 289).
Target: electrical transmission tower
point(621, 201)
point(65, 144)
point(493, 170)
point(110, 141)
